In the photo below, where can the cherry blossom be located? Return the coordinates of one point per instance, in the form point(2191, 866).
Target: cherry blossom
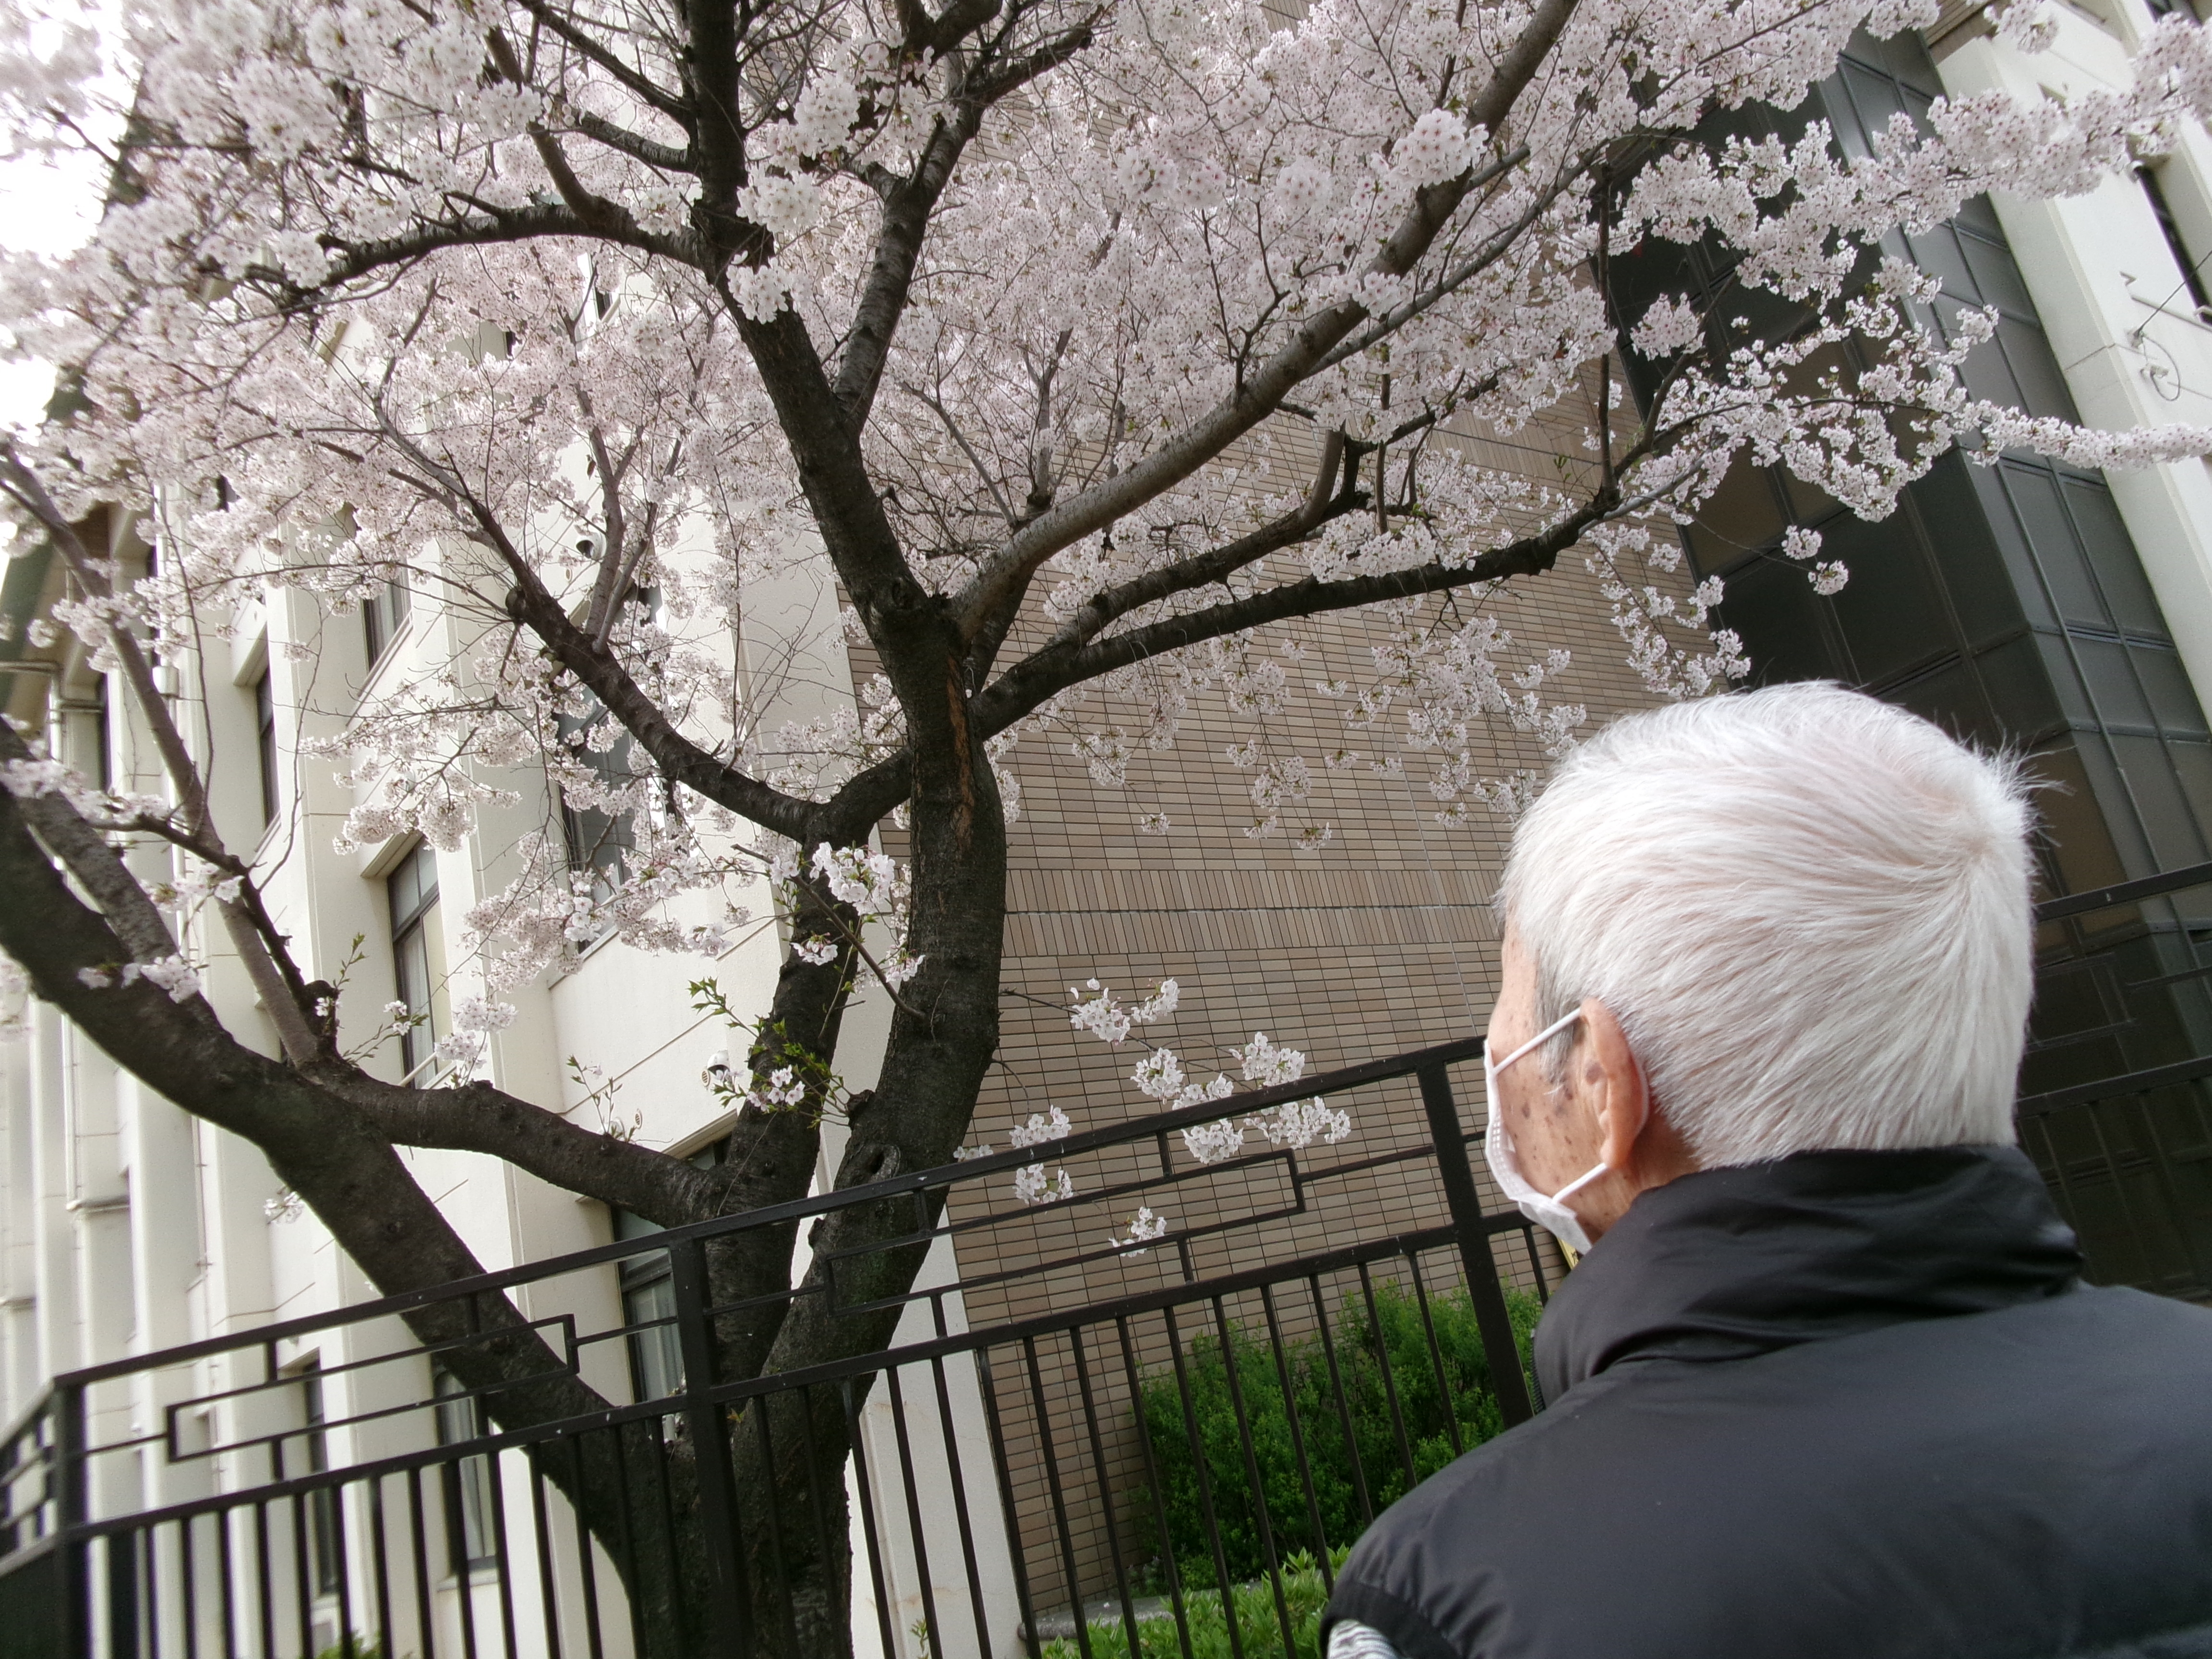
point(1092, 358)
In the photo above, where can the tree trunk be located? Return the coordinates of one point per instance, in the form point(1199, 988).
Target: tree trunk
point(795, 1444)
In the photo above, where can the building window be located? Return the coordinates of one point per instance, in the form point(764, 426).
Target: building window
point(322, 1541)
point(418, 959)
point(656, 1351)
point(384, 616)
point(656, 1348)
point(264, 725)
point(467, 1479)
point(599, 834)
point(2170, 227)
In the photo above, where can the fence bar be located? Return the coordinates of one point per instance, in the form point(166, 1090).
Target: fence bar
point(1491, 1317)
point(73, 1510)
point(728, 1624)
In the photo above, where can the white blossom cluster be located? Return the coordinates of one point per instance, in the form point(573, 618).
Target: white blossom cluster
point(878, 888)
point(1033, 1186)
point(1109, 1019)
point(475, 1018)
point(1160, 1075)
point(1144, 1229)
point(172, 974)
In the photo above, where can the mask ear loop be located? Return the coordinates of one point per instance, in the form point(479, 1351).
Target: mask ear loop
point(1601, 1168)
point(1544, 1035)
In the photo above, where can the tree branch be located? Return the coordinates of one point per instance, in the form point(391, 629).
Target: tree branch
point(899, 248)
point(1261, 392)
point(908, 206)
point(1050, 671)
point(353, 260)
point(476, 1117)
point(639, 148)
point(261, 947)
point(680, 760)
point(138, 921)
point(637, 82)
point(608, 219)
point(351, 1178)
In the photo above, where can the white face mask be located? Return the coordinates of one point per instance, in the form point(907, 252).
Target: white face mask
point(1550, 1214)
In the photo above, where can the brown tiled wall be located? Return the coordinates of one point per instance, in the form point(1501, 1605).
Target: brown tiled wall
point(1382, 941)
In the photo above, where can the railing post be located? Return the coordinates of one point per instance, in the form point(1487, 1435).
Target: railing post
point(729, 1632)
point(72, 1509)
point(1491, 1316)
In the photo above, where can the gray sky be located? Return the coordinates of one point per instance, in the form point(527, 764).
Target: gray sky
point(43, 210)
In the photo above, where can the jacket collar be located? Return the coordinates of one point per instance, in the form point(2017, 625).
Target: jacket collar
point(1726, 1264)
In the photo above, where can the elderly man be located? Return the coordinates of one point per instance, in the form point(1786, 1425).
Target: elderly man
point(1827, 1381)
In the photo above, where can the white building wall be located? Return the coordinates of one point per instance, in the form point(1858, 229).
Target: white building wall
point(128, 1227)
point(2113, 300)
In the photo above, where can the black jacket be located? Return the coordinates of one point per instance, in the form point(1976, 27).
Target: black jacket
point(1844, 1406)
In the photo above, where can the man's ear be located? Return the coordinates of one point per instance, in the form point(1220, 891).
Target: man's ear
point(1614, 1080)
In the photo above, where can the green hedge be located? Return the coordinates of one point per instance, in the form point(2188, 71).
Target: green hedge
point(1258, 1623)
point(1428, 1405)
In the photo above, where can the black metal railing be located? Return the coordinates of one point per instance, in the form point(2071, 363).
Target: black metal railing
point(2116, 1091)
point(1087, 1437)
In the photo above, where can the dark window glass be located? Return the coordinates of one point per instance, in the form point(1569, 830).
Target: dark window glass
point(2034, 491)
point(1891, 613)
point(1761, 314)
point(1987, 372)
point(2192, 766)
point(323, 1544)
point(1809, 504)
point(1938, 253)
point(2122, 811)
point(1996, 274)
point(1847, 114)
point(264, 726)
point(2112, 684)
point(467, 1479)
point(2175, 840)
point(1772, 606)
point(2079, 838)
point(2174, 703)
point(2112, 558)
point(1741, 515)
point(598, 839)
point(2059, 661)
point(2035, 366)
point(385, 615)
point(1987, 486)
point(418, 958)
point(2190, 266)
point(1979, 215)
point(107, 750)
point(656, 1351)
point(2019, 688)
point(1950, 695)
point(1958, 532)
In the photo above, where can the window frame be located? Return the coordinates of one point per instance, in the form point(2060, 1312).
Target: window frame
point(264, 731)
point(325, 1544)
point(409, 924)
point(470, 1484)
point(384, 619)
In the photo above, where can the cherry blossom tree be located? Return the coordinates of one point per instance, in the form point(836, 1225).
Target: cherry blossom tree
point(1097, 346)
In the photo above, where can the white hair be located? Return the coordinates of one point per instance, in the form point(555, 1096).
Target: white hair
point(1809, 911)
